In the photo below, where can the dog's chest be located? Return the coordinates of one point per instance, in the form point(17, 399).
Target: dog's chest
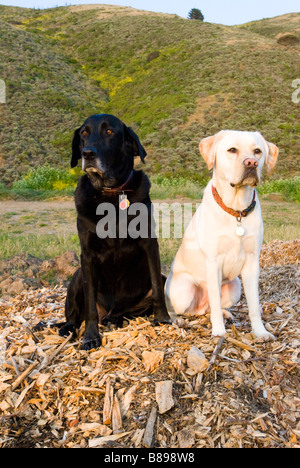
point(233, 253)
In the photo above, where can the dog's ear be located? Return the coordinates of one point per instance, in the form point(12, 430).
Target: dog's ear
point(208, 148)
point(272, 155)
point(76, 153)
point(138, 149)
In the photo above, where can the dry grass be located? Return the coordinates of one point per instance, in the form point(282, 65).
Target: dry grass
point(108, 11)
point(212, 104)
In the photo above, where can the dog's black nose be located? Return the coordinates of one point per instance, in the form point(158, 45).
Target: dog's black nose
point(89, 153)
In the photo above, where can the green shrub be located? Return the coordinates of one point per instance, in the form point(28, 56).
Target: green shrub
point(3, 191)
point(46, 178)
point(289, 188)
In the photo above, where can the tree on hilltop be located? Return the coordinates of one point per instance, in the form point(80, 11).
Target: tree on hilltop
point(195, 14)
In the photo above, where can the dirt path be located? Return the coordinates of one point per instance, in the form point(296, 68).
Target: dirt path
point(38, 217)
point(50, 217)
point(36, 206)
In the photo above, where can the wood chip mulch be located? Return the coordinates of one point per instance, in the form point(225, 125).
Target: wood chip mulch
point(149, 386)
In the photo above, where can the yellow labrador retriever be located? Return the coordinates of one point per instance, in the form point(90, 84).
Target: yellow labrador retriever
point(225, 235)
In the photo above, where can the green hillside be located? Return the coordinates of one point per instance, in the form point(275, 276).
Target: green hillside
point(273, 27)
point(174, 80)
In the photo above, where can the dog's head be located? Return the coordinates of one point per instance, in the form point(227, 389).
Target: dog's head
point(107, 149)
point(239, 157)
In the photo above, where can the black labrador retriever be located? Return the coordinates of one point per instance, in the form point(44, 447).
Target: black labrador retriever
point(120, 276)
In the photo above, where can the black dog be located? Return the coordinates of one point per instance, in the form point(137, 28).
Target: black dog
point(119, 276)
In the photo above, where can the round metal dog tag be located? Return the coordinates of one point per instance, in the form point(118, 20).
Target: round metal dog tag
point(240, 231)
point(124, 202)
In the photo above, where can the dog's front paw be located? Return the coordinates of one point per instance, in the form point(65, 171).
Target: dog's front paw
point(263, 334)
point(67, 328)
point(91, 341)
point(218, 330)
point(162, 317)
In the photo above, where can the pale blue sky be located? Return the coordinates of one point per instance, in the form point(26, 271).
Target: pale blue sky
point(215, 11)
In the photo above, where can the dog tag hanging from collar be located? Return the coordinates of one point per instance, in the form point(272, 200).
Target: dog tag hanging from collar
point(240, 231)
point(124, 202)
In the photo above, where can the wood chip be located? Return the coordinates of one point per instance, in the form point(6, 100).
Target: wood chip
point(128, 399)
point(196, 361)
point(186, 437)
point(23, 376)
point(240, 344)
point(100, 441)
point(152, 360)
point(116, 415)
point(108, 402)
point(163, 394)
point(149, 431)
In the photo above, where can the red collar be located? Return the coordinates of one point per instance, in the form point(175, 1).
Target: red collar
point(122, 188)
point(236, 214)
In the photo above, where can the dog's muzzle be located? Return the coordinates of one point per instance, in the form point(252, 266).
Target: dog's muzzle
point(90, 161)
point(93, 170)
point(249, 177)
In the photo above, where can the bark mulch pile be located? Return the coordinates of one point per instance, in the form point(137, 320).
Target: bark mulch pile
point(155, 386)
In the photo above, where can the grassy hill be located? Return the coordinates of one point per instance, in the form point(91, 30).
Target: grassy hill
point(174, 80)
point(274, 27)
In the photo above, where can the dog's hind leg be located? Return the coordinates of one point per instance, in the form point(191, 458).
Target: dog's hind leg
point(181, 295)
point(230, 295)
point(74, 307)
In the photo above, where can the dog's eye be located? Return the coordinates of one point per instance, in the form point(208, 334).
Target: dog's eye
point(232, 150)
point(84, 133)
point(257, 151)
point(108, 131)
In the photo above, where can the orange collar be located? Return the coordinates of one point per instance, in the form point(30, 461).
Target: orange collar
point(236, 214)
